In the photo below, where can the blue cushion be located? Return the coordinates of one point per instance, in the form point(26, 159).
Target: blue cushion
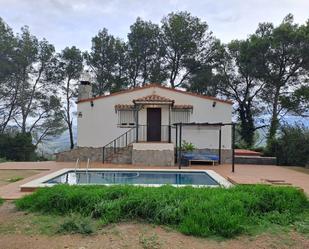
point(199, 156)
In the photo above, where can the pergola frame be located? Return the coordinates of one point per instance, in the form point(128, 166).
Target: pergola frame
point(179, 127)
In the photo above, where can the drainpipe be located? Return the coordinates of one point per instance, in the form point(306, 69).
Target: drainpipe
point(220, 146)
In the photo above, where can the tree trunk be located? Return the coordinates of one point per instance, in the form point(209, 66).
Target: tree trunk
point(247, 128)
point(71, 136)
point(274, 123)
point(68, 114)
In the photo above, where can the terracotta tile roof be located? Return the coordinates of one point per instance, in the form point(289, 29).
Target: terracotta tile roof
point(241, 152)
point(183, 107)
point(124, 107)
point(153, 98)
point(158, 86)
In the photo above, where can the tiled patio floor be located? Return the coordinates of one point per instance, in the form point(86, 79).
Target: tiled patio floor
point(244, 174)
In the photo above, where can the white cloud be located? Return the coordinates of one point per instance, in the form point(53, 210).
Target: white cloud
point(75, 22)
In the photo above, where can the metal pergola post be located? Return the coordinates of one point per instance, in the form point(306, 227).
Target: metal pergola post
point(176, 142)
point(220, 145)
point(180, 149)
point(233, 147)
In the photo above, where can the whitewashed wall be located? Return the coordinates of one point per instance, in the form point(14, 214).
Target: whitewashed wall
point(98, 124)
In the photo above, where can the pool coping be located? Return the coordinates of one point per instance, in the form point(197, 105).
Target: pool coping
point(40, 182)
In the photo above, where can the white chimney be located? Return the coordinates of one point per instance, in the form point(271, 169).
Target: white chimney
point(85, 88)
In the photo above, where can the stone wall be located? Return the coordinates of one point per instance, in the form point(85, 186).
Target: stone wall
point(153, 157)
point(153, 154)
point(83, 153)
point(255, 160)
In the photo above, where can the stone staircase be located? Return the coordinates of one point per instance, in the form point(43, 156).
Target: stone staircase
point(123, 156)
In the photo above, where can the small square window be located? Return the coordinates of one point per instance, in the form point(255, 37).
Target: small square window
point(126, 118)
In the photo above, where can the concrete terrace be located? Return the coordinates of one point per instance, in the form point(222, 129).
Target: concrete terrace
point(244, 174)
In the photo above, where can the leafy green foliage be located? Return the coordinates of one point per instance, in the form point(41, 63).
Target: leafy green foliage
point(17, 147)
point(76, 224)
point(28, 87)
point(292, 146)
point(195, 211)
point(70, 67)
point(1, 201)
point(187, 42)
point(187, 146)
point(281, 65)
point(238, 81)
point(106, 59)
point(145, 53)
point(298, 102)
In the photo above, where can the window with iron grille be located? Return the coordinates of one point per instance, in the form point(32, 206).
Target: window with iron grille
point(180, 116)
point(126, 118)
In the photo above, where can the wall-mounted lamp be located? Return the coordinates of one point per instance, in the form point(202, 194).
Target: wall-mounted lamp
point(214, 104)
point(91, 103)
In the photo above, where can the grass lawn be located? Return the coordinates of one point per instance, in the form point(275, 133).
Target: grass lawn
point(8, 176)
point(19, 229)
point(200, 212)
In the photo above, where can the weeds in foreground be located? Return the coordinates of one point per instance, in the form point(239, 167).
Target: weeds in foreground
point(15, 179)
point(76, 224)
point(149, 242)
point(200, 212)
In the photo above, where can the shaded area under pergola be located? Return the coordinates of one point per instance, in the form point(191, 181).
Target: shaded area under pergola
point(206, 126)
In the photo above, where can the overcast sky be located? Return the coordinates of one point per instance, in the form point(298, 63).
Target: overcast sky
point(75, 22)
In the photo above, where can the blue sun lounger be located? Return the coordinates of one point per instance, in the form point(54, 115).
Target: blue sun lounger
point(188, 157)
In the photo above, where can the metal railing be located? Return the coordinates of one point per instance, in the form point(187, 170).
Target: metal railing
point(118, 144)
point(165, 133)
point(135, 134)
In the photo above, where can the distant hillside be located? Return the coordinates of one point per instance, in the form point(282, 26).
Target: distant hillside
point(57, 144)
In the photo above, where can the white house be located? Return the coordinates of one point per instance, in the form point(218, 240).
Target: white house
point(142, 119)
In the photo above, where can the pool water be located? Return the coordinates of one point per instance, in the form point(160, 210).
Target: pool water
point(134, 177)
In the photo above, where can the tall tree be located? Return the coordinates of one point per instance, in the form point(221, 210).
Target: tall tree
point(237, 77)
point(105, 60)
point(203, 79)
point(38, 108)
point(8, 85)
point(298, 102)
point(145, 52)
point(283, 56)
point(186, 40)
point(70, 66)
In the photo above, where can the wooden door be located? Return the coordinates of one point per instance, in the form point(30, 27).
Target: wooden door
point(153, 124)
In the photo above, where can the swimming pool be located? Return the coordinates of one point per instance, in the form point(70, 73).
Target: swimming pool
point(142, 177)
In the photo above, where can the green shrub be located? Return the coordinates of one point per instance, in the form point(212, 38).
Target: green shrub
point(194, 211)
point(1, 201)
point(187, 146)
point(17, 147)
point(292, 146)
point(76, 224)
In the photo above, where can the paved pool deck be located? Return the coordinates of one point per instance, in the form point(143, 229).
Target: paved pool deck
point(244, 174)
